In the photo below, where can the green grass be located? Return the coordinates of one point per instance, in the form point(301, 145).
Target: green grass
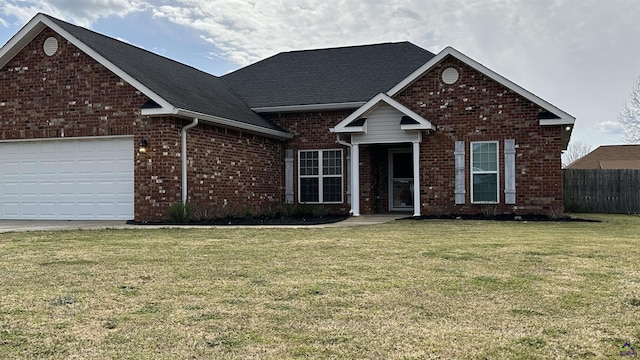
point(401, 290)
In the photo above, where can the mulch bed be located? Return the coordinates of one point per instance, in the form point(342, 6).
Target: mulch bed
point(328, 219)
point(502, 217)
point(262, 220)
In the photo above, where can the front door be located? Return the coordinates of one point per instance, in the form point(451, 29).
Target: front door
point(400, 180)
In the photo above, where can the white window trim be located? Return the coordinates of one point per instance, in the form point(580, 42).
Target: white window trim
point(497, 171)
point(321, 177)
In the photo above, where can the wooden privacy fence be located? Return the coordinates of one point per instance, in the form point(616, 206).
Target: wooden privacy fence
point(602, 191)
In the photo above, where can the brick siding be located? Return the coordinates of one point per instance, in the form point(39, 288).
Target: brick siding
point(310, 131)
point(477, 108)
point(65, 95)
point(71, 95)
point(229, 173)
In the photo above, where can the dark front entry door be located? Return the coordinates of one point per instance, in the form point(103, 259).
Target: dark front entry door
point(400, 180)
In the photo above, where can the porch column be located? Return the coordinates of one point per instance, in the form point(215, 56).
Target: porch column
point(355, 180)
point(416, 178)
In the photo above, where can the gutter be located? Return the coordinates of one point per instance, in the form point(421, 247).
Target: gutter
point(183, 157)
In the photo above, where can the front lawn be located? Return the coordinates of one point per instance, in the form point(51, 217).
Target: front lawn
point(402, 290)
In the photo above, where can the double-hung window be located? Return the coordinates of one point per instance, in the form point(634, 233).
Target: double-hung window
point(320, 176)
point(484, 172)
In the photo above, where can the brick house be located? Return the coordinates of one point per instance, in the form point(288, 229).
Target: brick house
point(362, 129)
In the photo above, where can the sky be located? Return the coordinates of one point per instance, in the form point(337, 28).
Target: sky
point(582, 56)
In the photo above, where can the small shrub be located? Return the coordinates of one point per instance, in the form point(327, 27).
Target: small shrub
point(318, 211)
point(557, 212)
point(181, 213)
point(489, 210)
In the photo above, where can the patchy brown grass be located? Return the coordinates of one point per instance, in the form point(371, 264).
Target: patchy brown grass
point(401, 290)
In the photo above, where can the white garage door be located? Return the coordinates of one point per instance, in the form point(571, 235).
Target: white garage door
point(70, 179)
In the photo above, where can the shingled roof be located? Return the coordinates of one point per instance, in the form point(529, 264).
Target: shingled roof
point(180, 85)
point(327, 76)
point(610, 157)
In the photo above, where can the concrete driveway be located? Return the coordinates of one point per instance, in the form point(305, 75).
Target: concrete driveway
point(41, 225)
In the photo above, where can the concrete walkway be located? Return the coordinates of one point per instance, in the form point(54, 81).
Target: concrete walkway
point(40, 225)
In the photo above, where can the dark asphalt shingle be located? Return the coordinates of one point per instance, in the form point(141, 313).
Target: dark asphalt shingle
point(325, 76)
point(308, 77)
point(181, 85)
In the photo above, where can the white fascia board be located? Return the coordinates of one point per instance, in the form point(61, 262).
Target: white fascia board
point(271, 133)
point(309, 107)
point(351, 129)
point(41, 19)
point(559, 121)
point(415, 127)
point(371, 105)
point(159, 111)
point(23, 37)
point(154, 112)
point(565, 118)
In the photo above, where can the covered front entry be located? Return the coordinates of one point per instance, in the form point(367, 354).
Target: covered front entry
point(387, 180)
point(383, 123)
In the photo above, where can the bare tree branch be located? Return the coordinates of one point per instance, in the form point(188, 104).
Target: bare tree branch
point(575, 151)
point(630, 116)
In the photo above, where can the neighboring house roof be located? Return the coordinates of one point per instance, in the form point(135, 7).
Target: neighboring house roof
point(337, 77)
point(610, 157)
point(176, 88)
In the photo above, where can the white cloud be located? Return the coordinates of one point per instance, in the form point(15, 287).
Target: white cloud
point(579, 55)
point(608, 128)
point(79, 12)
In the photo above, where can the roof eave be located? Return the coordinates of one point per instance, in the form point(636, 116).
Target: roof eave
point(558, 121)
point(414, 127)
point(309, 107)
point(270, 133)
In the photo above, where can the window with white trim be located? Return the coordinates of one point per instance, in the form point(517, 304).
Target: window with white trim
point(320, 176)
point(484, 172)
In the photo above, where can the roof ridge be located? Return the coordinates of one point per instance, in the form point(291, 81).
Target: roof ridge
point(347, 47)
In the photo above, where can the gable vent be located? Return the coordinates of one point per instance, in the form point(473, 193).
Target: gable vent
point(450, 76)
point(50, 46)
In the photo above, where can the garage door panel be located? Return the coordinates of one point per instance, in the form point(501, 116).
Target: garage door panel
point(48, 188)
point(11, 169)
point(48, 168)
point(67, 179)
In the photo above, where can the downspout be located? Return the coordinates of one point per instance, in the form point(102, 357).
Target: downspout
point(183, 157)
point(349, 177)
